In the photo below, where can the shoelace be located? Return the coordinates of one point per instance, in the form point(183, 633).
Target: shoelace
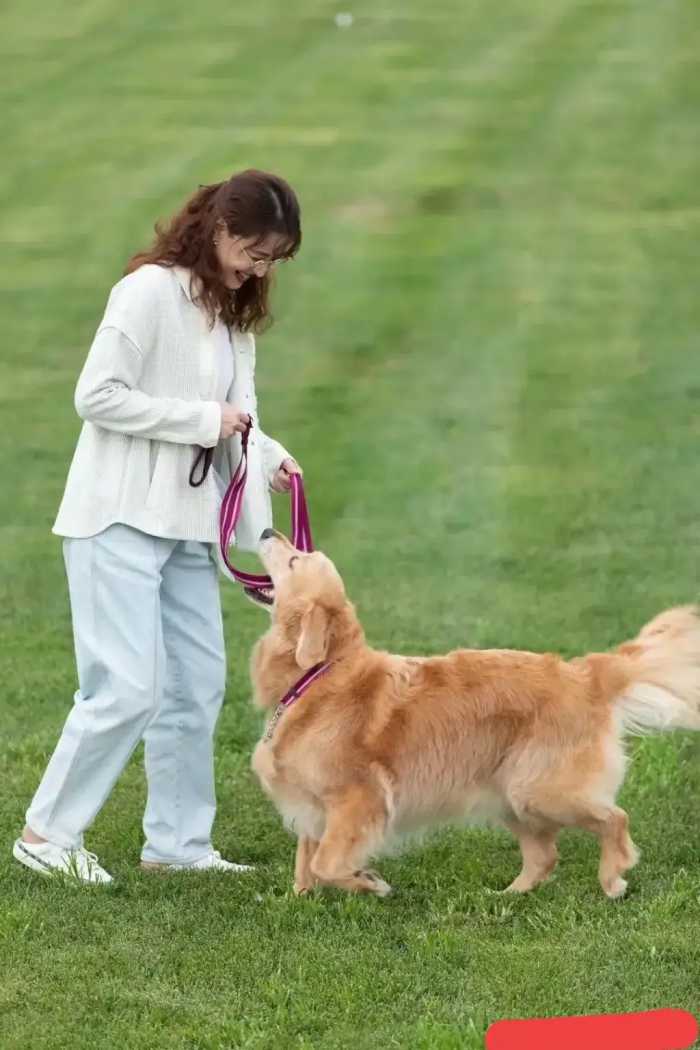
point(76, 855)
point(80, 861)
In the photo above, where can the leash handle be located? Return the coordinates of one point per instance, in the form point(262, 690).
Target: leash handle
point(205, 457)
point(231, 512)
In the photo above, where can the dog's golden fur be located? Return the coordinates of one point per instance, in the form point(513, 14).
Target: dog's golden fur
point(385, 744)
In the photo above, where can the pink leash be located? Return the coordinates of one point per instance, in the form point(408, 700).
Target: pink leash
point(255, 585)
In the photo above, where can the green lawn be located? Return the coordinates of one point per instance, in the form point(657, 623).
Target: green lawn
point(486, 360)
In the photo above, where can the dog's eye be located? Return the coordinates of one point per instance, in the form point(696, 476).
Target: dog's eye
point(294, 557)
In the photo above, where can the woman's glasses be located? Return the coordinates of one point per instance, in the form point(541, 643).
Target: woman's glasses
point(261, 266)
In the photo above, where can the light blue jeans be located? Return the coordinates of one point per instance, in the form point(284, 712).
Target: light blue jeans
point(151, 664)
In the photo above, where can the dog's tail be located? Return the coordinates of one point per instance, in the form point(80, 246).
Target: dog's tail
point(662, 674)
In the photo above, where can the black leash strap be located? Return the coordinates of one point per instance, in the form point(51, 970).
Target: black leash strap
point(205, 457)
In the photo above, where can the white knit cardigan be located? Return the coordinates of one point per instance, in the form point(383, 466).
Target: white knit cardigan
point(145, 395)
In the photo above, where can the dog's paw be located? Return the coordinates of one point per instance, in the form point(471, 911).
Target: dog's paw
point(615, 888)
point(525, 884)
point(519, 885)
point(302, 888)
point(378, 885)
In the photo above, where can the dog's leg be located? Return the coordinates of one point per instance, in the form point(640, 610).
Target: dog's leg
point(304, 879)
point(617, 851)
point(355, 826)
point(540, 855)
point(607, 822)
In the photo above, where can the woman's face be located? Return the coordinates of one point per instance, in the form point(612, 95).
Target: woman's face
point(243, 257)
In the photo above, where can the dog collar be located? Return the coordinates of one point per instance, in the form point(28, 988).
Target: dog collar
point(297, 690)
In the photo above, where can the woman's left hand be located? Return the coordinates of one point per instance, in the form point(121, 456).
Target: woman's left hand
point(281, 481)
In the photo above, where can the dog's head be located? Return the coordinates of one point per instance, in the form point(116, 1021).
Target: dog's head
point(310, 607)
point(683, 621)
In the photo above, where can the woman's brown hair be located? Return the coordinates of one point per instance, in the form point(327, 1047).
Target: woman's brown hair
point(251, 204)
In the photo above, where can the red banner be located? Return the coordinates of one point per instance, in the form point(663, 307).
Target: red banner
point(652, 1030)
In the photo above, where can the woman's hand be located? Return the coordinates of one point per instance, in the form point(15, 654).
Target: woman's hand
point(281, 481)
point(233, 421)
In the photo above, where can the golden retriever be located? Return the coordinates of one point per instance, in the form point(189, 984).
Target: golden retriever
point(381, 745)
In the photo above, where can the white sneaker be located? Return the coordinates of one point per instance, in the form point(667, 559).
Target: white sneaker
point(50, 859)
point(212, 862)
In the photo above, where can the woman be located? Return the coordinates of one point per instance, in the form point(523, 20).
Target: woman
point(170, 371)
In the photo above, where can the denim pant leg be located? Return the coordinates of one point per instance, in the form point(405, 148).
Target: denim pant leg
point(114, 584)
point(179, 740)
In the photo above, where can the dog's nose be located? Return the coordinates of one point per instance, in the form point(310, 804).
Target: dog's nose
point(267, 534)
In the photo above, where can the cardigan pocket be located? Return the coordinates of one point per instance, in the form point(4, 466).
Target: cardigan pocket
point(170, 495)
point(152, 459)
point(157, 494)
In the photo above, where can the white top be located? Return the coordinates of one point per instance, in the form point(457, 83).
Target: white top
point(223, 373)
point(223, 366)
point(149, 396)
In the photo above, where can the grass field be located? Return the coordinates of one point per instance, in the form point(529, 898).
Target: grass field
point(486, 360)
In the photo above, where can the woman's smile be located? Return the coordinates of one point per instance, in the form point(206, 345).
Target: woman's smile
point(237, 278)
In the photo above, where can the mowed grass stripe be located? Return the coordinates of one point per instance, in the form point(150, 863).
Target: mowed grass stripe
point(485, 361)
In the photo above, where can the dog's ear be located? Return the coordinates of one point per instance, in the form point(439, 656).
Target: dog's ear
point(313, 640)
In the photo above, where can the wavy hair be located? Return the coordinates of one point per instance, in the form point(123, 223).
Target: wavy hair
point(251, 203)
